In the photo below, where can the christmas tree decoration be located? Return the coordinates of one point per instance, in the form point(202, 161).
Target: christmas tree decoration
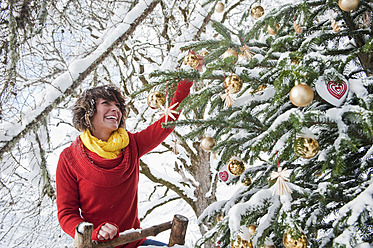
point(246, 181)
point(219, 7)
point(301, 95)
point(233, 84)
point(293, 240)
point(224, 175)
point(236, 166)
point(207, 143)
point(192, 60)
point(257, 12)
point(244, 239)
point(335, 25)
point(282, 177)
point(348, 5)
point(306, 147)
point(204, 53)
point(246, 53)
point(241, 243)
point(297, 28)
point(230, 53)
point(227, 98)
point(168, 111)
point(273, 31)
point(334, 92)
point(252, 230)
point(156, 99)
point(219, 217)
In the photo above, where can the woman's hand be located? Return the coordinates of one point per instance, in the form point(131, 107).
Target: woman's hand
point(107, 231)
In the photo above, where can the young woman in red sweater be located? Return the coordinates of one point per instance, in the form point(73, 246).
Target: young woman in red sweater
point(97, 175)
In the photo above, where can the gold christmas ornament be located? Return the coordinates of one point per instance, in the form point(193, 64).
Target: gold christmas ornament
point(236, 167)
point(273, 31)
point(233, 84)
point(301, 95)
point(207, 143)
point(230, 53)
point(335, 26)
point(246, 181)
point(241, 243)
point(297, 28)
point(219, 7)
point(257, 12)
point(219, 217)
point(294, 241)
point(191, 60)
point(306, 147)
point(204, 53)
point(348, 5)
point(252, 230)
point(156, 99)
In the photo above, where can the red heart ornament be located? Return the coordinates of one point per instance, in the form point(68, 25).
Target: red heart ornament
point(337, 89)
point(333, 92)
point(223, 175)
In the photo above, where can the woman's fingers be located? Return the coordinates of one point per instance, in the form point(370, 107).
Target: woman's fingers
point(107, 231)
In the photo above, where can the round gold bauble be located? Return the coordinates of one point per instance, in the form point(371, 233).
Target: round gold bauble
point(306, 147)
point(246, 181)
point(257, 12)
point(219, 7)
point(207, 143)
point(348, 5)
point(301, 95)
point(156, 99)
point(242, 243)
point(233, 83)
point(294, 242)
point(191, 60)
point(273, 31)
point(231, 53)
point(236, 167)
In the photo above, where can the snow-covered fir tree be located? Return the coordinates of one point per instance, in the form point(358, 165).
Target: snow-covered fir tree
point(294, 126)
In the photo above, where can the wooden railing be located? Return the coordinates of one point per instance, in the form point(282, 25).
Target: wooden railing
point(178, 228)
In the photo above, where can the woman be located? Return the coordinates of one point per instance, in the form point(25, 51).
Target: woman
point(97, 175)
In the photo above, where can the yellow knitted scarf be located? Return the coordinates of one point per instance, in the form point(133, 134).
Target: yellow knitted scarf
point(107, 149)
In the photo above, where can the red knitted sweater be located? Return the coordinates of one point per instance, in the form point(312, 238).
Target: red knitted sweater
point(98, 190)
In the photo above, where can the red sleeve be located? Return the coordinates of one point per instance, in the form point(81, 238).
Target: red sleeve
point(67, 197)
point(153, 135)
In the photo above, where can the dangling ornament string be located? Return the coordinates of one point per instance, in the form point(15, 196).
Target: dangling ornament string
point(174, 148)
point(168, 111)
point(282, 176)
point(227, 98)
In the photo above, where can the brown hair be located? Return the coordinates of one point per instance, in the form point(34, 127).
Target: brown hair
point(85, 106)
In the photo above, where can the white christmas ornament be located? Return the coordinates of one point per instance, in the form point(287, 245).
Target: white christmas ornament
point(281, 187)
point(333, 92)
point(168, 111)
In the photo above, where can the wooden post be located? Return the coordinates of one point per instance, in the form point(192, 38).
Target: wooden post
point(178, 230)
point(83, 240)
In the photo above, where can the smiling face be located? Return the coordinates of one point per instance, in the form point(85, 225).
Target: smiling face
point(106, 119)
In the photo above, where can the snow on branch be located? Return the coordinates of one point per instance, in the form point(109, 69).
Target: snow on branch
point(66, 83)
